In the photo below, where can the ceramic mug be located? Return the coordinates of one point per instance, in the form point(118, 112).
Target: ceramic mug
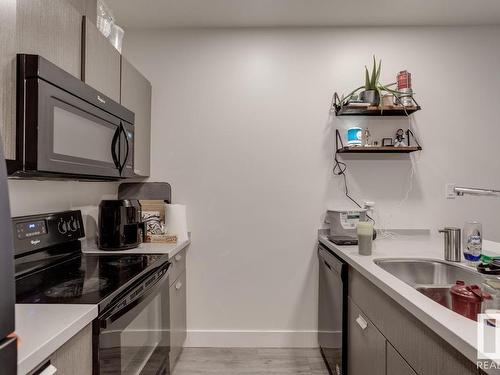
point(354, 136)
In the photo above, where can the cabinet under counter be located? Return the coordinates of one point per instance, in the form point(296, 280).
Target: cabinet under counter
point(44, 328)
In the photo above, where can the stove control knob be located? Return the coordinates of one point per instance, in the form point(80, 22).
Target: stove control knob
point(72, 225)
point(62, 227)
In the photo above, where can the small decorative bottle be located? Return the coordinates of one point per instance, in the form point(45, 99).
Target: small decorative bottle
point(367, 138)
point(473, 241)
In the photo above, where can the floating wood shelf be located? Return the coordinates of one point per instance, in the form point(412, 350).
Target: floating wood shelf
point(375, 111)
point(378, 150)
point(341, 149)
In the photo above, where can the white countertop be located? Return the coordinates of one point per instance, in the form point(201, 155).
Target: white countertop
point(457, 330)
point(171, 249)
point(44, 328)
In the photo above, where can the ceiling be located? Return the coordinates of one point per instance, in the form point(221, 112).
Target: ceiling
point(273, 13)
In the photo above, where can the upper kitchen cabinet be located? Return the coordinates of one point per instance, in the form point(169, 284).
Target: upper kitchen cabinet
point(51, 29)
point(101, 62)
point(136, 96)
point(8, 77)
point(87, 8)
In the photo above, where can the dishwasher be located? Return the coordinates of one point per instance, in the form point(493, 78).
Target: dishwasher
point(332, 311)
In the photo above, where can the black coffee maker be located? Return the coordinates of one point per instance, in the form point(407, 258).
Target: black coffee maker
point(120, 224)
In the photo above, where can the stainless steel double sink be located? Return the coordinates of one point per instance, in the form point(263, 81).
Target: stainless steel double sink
point(432, 278)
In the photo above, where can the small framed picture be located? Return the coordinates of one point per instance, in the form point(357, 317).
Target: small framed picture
point(387, 142)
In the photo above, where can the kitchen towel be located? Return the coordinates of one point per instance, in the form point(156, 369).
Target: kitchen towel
point(176, 221)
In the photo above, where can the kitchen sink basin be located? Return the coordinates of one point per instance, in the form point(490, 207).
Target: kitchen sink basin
point(429, 271)
point(433, 278)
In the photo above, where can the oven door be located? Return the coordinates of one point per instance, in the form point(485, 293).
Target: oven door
point(134, 337)
point(67, 135)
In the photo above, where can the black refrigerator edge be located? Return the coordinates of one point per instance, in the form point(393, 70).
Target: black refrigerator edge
point(8, 345)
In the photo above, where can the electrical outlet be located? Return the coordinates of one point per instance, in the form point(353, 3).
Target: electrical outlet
point(450, 191)
point(369, 205)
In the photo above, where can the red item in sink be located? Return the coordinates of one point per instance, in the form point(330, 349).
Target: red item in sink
point(467, 299)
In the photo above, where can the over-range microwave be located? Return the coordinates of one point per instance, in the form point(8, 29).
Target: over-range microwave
point(67, 129)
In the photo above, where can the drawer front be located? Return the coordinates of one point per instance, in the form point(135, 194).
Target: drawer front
point(396, 365)
point(177, 318)
point(366, 345)
point(424, 350)
point(74, 357)
point(178, 265)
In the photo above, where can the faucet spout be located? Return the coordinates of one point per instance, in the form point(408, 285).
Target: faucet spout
point(461, 191)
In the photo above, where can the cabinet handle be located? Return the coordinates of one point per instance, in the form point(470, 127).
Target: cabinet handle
point(178, 257)
point(361, 322)
point(178, 285)
point(49, 370)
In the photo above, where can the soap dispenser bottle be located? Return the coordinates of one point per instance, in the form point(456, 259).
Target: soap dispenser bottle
point(473, 241)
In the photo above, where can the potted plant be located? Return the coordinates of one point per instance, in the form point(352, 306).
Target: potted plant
point(371, 92)
point(372, 89)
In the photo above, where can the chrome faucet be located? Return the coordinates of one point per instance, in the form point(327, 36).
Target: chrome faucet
point(461, 191)
point(451, 246)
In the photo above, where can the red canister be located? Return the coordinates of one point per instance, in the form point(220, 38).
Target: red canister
point(467, 299)
point(404, 80)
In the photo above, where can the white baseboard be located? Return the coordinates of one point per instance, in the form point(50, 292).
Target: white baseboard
point(251, 339)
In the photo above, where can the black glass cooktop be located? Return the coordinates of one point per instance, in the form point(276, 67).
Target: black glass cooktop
point(84, 279)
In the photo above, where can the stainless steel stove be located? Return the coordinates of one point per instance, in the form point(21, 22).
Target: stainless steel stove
point(131, 333)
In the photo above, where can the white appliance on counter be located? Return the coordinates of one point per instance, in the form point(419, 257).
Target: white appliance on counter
point(343, 223)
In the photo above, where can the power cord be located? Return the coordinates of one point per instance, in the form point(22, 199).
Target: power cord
point(339, 169)
point(382, 229)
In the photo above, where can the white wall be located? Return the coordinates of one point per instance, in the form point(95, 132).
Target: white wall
point(242, 130)
point(28, 197)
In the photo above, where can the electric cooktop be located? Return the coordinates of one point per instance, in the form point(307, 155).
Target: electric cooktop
point(50, 267)
point(85, 279)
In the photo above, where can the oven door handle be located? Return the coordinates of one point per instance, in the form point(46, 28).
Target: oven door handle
point(138, 292)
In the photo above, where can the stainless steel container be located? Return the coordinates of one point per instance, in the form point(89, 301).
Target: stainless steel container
point(452, 244)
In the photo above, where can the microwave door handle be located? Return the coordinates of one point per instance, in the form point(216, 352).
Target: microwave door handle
point(116, 138)
point(122, 166)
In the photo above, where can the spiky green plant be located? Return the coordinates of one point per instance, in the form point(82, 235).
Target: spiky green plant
point(372, 82)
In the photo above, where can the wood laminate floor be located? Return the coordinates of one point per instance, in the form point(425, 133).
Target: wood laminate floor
point(243, 361)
